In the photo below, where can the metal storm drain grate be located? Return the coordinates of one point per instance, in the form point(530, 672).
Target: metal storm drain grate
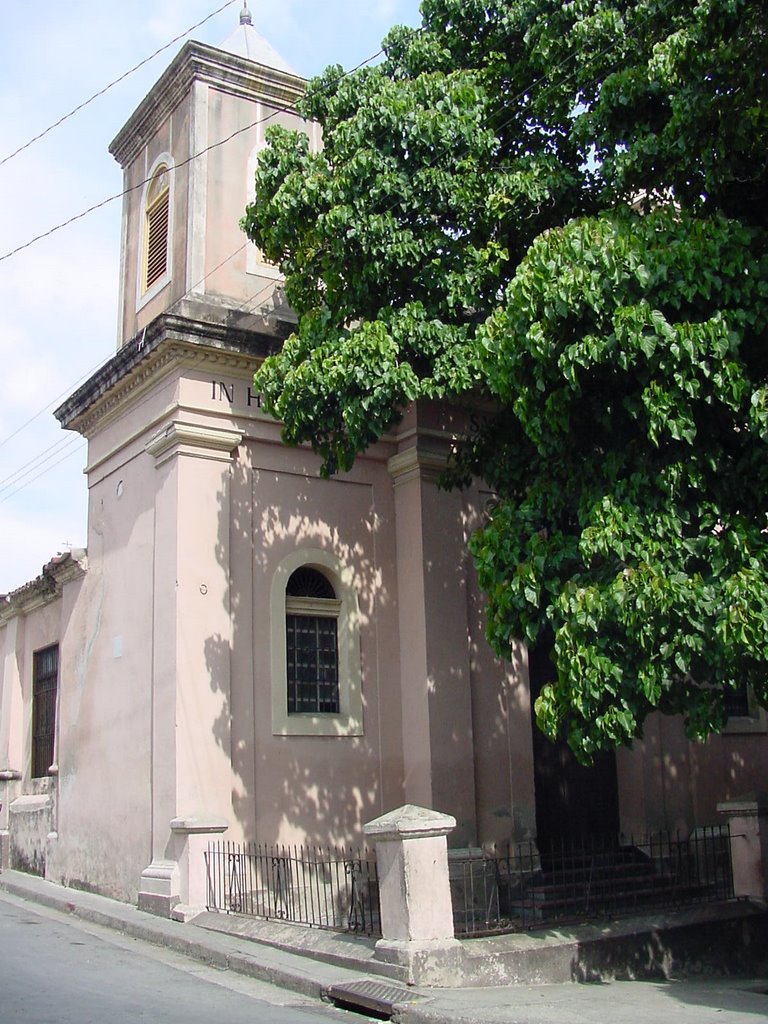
point(376, 997)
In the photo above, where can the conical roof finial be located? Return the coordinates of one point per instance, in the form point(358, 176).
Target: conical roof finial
point(245, 15)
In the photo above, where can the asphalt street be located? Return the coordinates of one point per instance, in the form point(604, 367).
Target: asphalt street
point(56, 970)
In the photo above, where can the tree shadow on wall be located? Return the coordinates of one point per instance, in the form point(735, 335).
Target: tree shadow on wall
point(322, 789)
point(292, 789)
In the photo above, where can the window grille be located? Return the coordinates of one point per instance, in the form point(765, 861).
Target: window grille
point(45, 673)
point(737, 702)
point(312, 649)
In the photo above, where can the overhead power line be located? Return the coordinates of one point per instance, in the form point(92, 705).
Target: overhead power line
point(69, 451)
point(141, 184)
point(116, 81)
point(35, 463)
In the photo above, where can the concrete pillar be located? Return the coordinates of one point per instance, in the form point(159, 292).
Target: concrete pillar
point(748, 820)
point(10, 787)
point(414, 893)
point(193, 835)
point(11, 730)
point(12, 698)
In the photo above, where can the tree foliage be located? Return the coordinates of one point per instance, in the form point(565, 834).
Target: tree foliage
point(561, 207)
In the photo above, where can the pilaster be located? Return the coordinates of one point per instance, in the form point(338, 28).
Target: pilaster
point(191, 748)
point(438, 742)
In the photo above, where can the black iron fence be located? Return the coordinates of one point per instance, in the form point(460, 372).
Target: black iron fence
point(332, 888)
point(522, 888)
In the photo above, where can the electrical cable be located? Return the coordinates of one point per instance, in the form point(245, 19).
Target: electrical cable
point(69, 454)
point(145, 181)
point(116, 81)
point(281, 280)
point(36, 462)
point(62, 394)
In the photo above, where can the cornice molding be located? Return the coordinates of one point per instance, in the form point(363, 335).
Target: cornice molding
point(416, 462)
point(170, 340)
point(199, 62)
point(191, 439)
point(47, 587)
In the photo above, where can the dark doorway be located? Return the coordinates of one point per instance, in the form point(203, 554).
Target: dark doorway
point(572, 802)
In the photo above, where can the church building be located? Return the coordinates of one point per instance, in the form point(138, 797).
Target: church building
point(246, 649)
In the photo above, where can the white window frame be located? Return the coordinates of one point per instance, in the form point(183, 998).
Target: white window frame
point(349, 719)
point(755, 722)
point(255, 261)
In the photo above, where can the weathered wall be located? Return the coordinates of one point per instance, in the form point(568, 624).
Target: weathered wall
point(669, 783)
point(31, 819)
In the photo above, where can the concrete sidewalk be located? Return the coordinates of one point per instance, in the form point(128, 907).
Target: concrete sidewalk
point(332, 965)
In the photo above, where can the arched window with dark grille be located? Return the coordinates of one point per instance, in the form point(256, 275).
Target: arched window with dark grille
point(312, 645)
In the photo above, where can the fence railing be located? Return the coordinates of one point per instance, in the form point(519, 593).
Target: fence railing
point(520, 888)
point(322, 887)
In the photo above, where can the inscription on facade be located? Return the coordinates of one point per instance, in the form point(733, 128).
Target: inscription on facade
point(233, 392)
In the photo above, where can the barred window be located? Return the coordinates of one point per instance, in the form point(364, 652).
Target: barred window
point(312, 648)
point(315, 646)
point(45, 674)
point(737, 702)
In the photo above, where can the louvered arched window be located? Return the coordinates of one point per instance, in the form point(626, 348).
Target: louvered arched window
point(157, 210)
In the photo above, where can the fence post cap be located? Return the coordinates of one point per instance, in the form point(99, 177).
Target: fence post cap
point(410, 822)
point(192, 825)
point(749, 803)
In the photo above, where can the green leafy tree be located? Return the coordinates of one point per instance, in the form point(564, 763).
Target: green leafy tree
point(560, 208)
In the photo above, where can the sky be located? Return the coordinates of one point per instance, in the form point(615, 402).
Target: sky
point(58, 297)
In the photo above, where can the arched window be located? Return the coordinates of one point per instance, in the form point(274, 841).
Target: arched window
point(157, 213)
point(312, 645)
point(315, 647)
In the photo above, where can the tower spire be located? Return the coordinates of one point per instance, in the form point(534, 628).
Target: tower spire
point(245, 15)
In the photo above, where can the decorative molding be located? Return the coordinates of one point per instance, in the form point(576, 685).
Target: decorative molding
point(46, 587)
point(410, 822)
point(193, 825)
point(415, 461)
point(161, 416)
point(197, 190)
point(755, 722)
point(30, 803)
point(66, 569)
point(349, 720)
point(198, 62)
point(177, 336)
point(191, 439)
point(749, 805)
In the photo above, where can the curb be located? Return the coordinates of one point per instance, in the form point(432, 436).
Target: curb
point(286, 970)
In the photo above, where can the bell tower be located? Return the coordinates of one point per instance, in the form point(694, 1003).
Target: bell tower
point(188, 154)
point(172, 425)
